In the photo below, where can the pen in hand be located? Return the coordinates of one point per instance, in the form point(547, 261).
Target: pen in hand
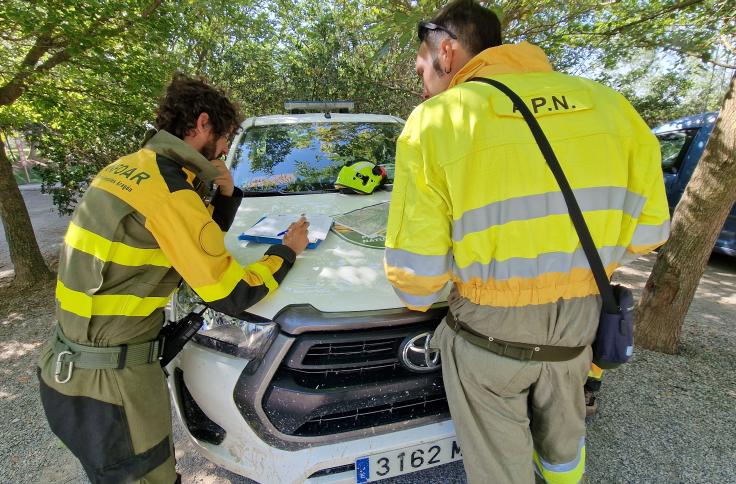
point(284, 232)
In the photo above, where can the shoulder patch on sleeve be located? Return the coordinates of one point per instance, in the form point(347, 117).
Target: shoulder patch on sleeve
point(173, 174)
point(211, 239)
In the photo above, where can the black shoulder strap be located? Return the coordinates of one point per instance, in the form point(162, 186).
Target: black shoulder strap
point(604, 285)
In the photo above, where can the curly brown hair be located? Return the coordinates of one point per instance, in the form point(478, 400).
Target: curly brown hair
point(186, 98)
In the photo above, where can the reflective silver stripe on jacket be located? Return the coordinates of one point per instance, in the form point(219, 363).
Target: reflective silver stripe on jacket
point(545, 204)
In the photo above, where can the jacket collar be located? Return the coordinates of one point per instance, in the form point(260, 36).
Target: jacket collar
point(166, 144)
point(518, 58)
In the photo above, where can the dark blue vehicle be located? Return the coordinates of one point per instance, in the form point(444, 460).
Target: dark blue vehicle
point(683, 142)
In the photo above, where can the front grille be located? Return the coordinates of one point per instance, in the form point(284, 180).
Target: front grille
point(346, 376)
point(374, 416)
point(341, 382)
point(352, 352)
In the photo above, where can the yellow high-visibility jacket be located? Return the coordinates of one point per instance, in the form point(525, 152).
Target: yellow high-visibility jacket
point(140, 228)
point(474, 201)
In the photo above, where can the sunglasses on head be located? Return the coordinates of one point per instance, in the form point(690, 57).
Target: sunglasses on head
point(424, 27)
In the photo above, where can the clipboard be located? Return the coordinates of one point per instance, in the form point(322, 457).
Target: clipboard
point(267, 229)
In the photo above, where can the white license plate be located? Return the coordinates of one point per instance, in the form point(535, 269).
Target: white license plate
point(411, 459)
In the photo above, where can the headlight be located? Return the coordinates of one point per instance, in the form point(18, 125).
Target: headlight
point(248, 339)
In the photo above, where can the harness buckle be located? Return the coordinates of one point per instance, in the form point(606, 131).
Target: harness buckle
point(59, 365)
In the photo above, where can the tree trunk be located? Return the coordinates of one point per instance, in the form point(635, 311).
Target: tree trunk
point(696, 223)
point(30, 267)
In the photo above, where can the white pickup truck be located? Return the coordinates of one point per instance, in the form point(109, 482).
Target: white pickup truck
point(329, 379)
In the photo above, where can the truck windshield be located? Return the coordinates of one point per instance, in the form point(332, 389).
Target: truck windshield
point(306, 157)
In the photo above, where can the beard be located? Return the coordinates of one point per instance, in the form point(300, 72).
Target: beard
point(209, 150)
point(436, 65)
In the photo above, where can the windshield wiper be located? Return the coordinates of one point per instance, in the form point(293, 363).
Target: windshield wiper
point(263, 193)
point(276, 193)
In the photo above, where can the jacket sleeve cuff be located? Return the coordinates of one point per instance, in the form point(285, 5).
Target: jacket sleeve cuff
point(225, 208)
point(284, 252)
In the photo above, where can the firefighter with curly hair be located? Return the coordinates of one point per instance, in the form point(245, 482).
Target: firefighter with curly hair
point(145, 223)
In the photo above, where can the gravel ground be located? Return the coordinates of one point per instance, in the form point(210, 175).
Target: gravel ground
point(662, 418)
point(671, 418)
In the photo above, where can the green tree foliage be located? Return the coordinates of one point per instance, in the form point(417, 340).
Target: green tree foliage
point(64, 65)
point(84, 76)
point(681, 52)
point(658, 53)
point(267, 52)
point(234, 45)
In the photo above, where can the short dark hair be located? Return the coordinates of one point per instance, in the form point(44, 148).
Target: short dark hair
point(476, 27)
point(186, 98)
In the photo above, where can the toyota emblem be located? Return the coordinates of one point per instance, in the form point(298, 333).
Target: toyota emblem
point(415, 354)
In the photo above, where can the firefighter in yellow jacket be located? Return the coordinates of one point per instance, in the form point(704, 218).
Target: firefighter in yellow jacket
point(475, 203)
point(140, 228)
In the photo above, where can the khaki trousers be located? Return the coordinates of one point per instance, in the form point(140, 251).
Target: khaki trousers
point(116, 422)
point(514, 418)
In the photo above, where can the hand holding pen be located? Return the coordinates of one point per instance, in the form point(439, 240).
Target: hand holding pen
point(283, 232)
point(295, 237)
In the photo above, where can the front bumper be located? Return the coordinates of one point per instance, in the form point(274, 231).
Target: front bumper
point(244, 402)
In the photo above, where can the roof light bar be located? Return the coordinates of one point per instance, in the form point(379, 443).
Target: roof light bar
point(301, 107)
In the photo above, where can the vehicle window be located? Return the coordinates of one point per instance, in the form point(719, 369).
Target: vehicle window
point(306, 157)
point(674, 146)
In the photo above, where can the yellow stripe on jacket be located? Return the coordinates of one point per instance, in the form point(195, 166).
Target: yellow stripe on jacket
point(109, 251)
point(86, 306)
point(475, 202)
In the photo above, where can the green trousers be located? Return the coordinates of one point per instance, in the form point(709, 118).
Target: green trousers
point(116, 422)
point(517, 419)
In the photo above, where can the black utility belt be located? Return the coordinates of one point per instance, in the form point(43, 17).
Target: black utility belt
point(162, 350)
point(517, 351)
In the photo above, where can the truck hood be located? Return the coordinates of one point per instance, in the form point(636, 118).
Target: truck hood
point(337, 276)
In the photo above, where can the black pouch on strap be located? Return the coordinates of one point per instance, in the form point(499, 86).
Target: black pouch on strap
point(614, 342)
